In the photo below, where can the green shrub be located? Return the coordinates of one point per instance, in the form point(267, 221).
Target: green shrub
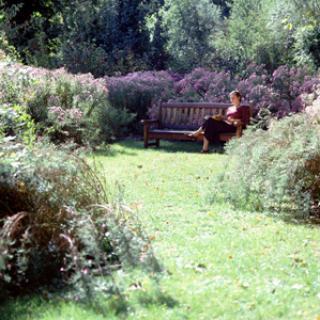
point(57, 223)
point(114, 122)
point(16, 122)
point(67, 107)
point(276, 170)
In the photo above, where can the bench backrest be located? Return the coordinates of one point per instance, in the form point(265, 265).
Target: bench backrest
point(188, 116)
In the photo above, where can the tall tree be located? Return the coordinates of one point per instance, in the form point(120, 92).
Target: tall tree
point(114, 28)
point(248, 36)
point(158, 54)
point(190, 28)
point(33, 27)
point(307, 32)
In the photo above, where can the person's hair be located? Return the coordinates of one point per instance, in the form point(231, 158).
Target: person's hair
point(236, 93)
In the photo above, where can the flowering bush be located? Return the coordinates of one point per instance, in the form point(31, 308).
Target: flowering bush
point(67, 107)
point(281, 92)
point(255, 87)
point(289, 85)
point(66, 123)
point(137, 91)
point(205, 85)
point(88, 110)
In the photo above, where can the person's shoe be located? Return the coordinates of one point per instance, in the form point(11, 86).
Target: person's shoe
point(205, 151)
point(192, 134)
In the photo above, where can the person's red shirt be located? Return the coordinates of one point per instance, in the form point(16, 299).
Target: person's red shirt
point(243, 113)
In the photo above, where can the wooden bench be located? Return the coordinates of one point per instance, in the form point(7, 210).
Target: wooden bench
point(177, 120)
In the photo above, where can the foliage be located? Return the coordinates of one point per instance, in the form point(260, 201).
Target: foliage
point(225, 6)
point(137, 91)
point(85, 36)
point(281, 92)
point(106, 37)
point(81, 109)
point(205, 85)
point(248, 37)
point(33, 29)
point(159, 56)
point(270, 32)
point(16, 123)
point(114, 36)
point(276, 170)
point(58, 225)
point(190, 28)
point(85, 57)
point(7, 50)
point(67, 107)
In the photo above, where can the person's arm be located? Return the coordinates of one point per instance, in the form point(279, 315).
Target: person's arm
point(235, 122)
point(218, 117)
point(246, 116)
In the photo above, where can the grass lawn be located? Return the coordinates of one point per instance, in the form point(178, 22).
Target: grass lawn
point(221, 263)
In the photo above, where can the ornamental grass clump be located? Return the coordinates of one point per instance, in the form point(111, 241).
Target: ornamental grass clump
point(275, 170)
point(57, 223)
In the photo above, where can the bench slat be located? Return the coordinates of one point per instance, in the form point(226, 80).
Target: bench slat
point(185, 116)
point(191, 117)
point(201, 105)
point(203, 113)
point(174, 115)
point(166, 116)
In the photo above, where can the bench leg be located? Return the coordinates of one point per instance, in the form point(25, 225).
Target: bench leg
point(146, 136)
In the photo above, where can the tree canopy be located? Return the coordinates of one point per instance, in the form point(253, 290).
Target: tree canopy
point(107, 37)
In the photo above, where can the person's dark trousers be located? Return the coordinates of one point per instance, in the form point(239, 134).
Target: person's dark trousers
point(213, 128)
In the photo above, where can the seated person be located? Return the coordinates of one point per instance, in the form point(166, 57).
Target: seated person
point(214, 125)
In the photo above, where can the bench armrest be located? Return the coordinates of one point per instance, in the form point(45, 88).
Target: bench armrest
point(149, 122)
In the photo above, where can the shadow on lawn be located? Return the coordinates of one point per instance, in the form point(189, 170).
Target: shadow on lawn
point(310, 222)
point(291, 218)
point(35, 306)
point(165, 146)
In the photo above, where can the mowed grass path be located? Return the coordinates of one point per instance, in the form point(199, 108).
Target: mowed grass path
point(221, 263)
